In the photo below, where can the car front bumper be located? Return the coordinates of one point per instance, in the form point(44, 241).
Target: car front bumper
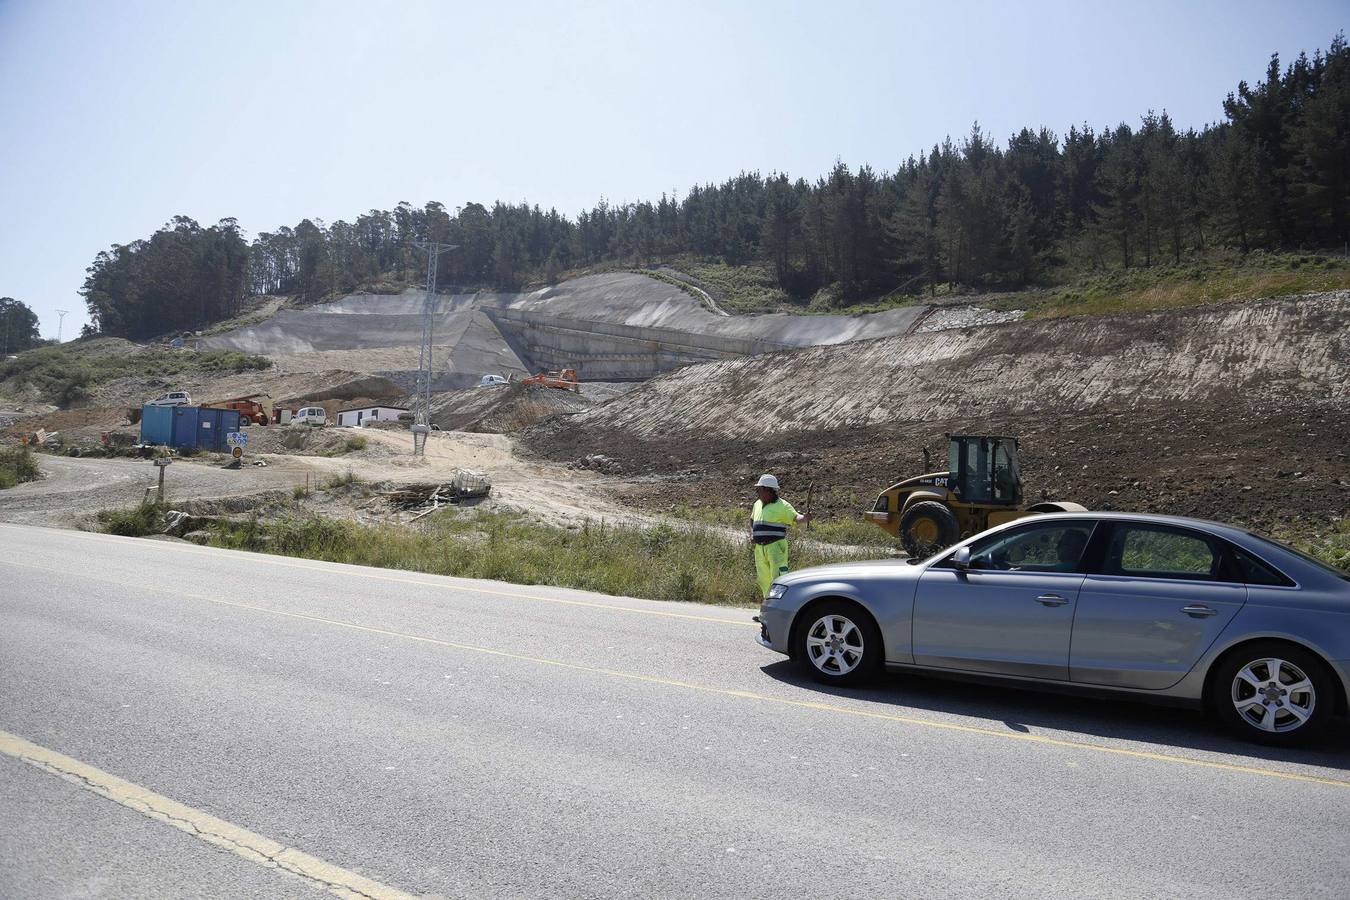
point(773, 628)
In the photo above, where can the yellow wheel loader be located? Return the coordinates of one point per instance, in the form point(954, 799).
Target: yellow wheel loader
point(981, 488)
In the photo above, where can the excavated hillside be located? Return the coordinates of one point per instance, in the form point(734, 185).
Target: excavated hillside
point(618, 326)
point(1235, 411)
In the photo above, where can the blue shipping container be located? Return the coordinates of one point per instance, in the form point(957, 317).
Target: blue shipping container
point(157, 425)
point(199, 427)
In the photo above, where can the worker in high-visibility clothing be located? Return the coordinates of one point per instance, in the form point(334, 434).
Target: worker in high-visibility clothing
point(769, 521)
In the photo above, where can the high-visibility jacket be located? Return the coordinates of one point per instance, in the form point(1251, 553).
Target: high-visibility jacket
point(770, 523)
point(768, 531)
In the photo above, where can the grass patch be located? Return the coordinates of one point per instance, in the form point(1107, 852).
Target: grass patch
point(738, 289)
point(344, 480)
point(1332, 548)
point(133, 521)
point(17, 465)
point(64, 374)
point(1168, 287)
point(849, 531)
point(663, 563)
point(350, 445)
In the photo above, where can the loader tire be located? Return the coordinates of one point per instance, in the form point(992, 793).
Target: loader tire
point(927, 527)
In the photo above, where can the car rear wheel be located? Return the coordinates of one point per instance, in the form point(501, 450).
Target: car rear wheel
point(839, 643)
point(1274, 693)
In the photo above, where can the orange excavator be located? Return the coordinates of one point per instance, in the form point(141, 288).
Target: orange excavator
point(566, 380)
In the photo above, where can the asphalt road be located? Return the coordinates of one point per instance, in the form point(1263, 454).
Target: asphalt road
point(451, 737)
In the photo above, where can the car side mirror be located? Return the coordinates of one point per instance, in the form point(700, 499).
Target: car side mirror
point(961, 558)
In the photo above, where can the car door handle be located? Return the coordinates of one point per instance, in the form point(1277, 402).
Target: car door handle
point(1051, 600)
point(1198, 611)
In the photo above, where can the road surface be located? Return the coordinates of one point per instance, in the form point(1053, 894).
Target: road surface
point(176, 721)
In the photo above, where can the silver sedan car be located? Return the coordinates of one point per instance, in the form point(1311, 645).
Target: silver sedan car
point(1144, 605)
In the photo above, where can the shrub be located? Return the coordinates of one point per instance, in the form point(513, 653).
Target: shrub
point(17, 465)
point(135, 521)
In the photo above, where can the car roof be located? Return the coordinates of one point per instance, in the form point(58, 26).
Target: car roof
point(1152, 518)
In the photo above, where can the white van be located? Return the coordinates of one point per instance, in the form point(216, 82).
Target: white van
point(491, 381)
point(310, 415)
point(172, 398)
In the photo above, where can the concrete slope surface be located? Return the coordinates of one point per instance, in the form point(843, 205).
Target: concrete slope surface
point(468, 738)
point(565, 327)
point(1268, 352)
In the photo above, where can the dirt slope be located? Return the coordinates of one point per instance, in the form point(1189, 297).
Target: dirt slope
point(1234, 411)
point(497, 410)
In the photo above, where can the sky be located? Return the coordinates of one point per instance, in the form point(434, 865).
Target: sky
point(114, 117)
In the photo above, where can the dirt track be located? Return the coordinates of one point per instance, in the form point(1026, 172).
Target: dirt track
point(72, 490)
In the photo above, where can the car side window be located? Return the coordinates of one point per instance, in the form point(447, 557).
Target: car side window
point(1052, 547)
point(1251, 570)
point(1152, 551)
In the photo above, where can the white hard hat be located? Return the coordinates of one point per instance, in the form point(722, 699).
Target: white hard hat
point(767, 481)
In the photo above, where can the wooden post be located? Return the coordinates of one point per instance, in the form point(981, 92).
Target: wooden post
point(161, 483)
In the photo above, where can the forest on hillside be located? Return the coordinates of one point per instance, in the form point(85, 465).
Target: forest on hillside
point(1273, 174)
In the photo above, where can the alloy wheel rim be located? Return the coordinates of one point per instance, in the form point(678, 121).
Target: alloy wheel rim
point(834, 645)
point(1273, 695)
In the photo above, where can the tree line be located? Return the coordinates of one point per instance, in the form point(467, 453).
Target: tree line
point(1273, 174)
point(180, 278)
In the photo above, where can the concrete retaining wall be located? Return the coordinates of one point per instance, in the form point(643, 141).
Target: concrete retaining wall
point(611, 352)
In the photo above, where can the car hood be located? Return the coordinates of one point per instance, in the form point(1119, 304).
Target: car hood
point(878, 568)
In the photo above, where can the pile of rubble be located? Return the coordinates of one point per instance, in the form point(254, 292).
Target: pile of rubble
point(426, 498)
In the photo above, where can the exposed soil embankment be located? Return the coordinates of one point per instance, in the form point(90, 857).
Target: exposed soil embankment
point(502, 409)
point(1235, 411)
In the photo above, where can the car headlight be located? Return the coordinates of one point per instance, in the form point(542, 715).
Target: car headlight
point(776, 591)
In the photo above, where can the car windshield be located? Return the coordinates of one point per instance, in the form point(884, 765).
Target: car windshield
point(1311, 560)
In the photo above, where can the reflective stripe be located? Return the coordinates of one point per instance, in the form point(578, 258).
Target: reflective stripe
point(768, 530)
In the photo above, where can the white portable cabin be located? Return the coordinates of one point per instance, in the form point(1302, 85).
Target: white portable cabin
point(359, 415)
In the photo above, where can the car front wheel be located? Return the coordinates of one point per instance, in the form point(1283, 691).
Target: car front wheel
point(838, 643)
point(1274, 693)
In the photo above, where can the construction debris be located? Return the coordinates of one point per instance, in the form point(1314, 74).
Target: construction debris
point(426, 498)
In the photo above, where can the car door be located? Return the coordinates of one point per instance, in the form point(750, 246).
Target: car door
point(1158, 602)
point(1011, 612)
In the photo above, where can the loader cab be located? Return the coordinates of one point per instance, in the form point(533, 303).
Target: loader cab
point(984, 470)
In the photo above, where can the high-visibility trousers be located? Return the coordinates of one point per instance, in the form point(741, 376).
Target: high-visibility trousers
point(771, 560)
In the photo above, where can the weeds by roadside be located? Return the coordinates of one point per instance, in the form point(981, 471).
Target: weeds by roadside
point(133, 521)
point(662, 563)
point(17, 465)
point(848, 531)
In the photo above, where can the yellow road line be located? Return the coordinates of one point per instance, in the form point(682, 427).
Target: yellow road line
point(292, 563)
point(764, 698)
point(203, 826)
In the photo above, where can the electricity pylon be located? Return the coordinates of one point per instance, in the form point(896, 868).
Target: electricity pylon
point(422, 401)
